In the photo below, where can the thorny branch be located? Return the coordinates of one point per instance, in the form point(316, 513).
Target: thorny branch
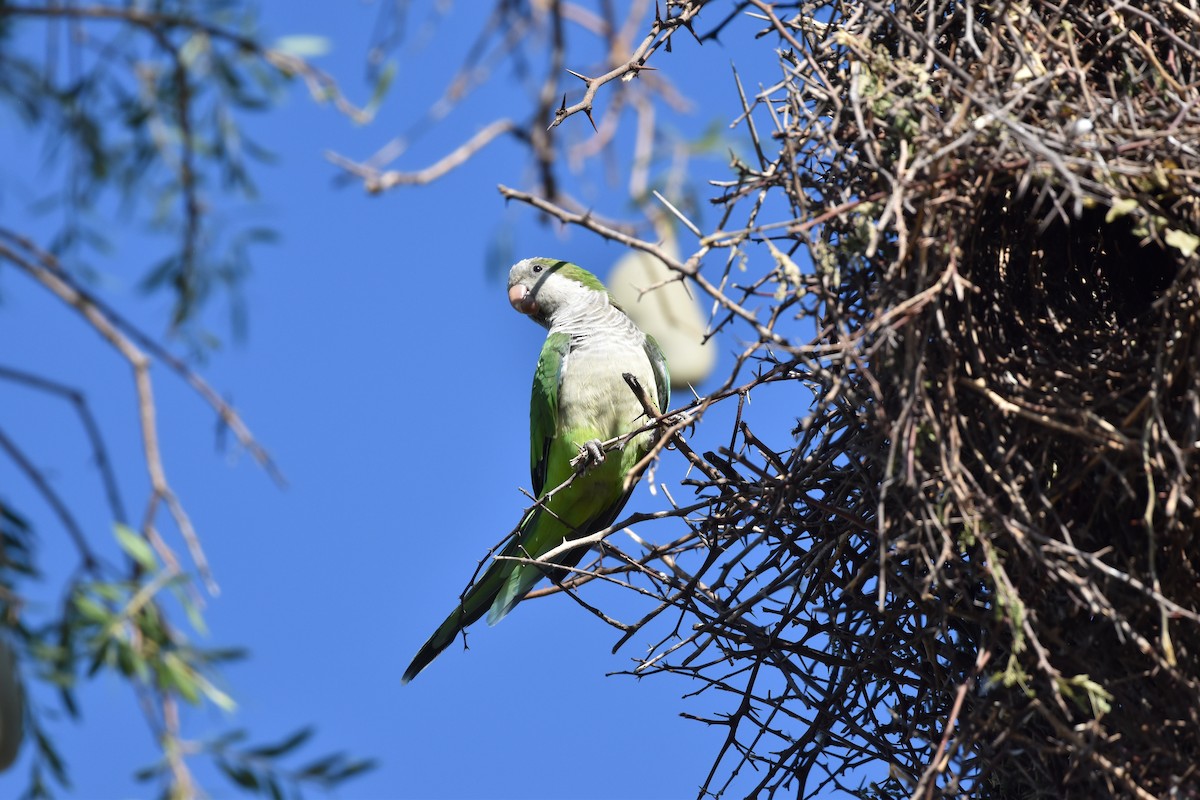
point(512, 27)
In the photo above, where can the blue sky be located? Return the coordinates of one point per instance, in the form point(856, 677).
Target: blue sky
point(386, 373)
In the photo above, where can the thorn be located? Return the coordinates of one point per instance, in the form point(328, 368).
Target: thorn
point(657, 15)
point(688, 24)
point(559, 115)
point(588, 112)
point(635, 70)
point(583, 78)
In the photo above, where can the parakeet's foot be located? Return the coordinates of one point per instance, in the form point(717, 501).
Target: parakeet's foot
point(591, 454)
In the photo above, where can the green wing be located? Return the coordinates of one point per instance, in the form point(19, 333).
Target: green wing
point(662, 375)
point(543, 406)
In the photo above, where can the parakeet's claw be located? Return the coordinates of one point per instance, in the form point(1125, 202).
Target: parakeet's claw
point(591, 454)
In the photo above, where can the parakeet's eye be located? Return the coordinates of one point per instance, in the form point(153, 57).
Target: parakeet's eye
point(537, 268)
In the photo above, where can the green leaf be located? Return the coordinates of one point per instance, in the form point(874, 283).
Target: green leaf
point(136, 547)
point(239, 775)
point(46, 749)
point(10, 517)
point(130, 661)
point(224, 654)
point(108, 591)
point(151, 772)
point(286, 746)
point(321, 767)
point(175, 673)
point(197, 46)
point(92, 610)
point(354, 768)
point(190, 608)
point(103, 654)
point(216, 696)
point(1120, 208)
point(1182, 241)
point(302, 46)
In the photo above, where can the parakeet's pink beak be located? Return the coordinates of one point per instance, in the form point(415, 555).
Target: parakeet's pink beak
point(522, 300)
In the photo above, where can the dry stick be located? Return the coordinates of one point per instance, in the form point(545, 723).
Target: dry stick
point(1114, 439)
point(146, 410)
point(585, 575)
point(185, 784)
point(476, 67)
point(1087, 751)
point(375, 181)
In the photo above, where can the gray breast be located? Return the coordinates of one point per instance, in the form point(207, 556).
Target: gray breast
point(593, 394)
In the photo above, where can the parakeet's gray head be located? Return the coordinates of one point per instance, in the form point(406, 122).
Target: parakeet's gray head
point(540, 287)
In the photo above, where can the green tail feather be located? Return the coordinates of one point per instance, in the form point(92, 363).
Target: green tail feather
point(519, 582)
point(505, 583)
point(473, 606)
point(482, 596)
point(525, 576)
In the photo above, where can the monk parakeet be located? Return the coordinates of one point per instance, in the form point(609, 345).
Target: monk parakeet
point(579, 400)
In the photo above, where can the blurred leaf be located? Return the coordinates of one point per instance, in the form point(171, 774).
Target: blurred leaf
point(190, 608)
point(1120, 208)
point(286, 746)
point(322, 767)
point(355, 768)
point(136, 547)
point(218, 698)
point(179, 676)
point(384, 82)
point(91, 609)
point(240, 775)
point(1186, 243)
point(302, 46)
point(11, 518)
point(129, 661)
point(50, 755)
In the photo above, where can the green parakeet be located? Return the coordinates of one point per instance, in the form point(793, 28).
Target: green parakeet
point(579, 400)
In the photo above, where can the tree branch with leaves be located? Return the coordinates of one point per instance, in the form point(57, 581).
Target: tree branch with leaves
point(139, 107)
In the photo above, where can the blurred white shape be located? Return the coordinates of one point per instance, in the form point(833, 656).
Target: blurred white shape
point(668, 313)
